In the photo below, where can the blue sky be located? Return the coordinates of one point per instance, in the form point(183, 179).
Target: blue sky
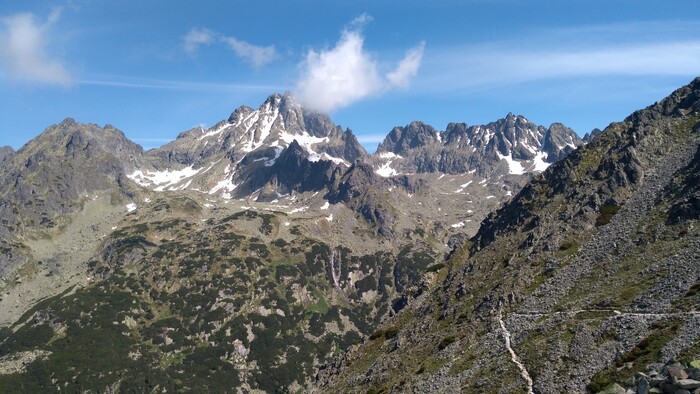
point(155, 68)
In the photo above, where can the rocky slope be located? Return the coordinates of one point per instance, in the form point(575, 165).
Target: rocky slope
point(588, 276)
point(49, 180)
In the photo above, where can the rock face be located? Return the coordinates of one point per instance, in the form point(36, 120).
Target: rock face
point(588, 275)
point(50, 175)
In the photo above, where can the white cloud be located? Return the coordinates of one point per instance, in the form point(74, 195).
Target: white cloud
point(359, 23)
point(407, 68)
point(196, 38)
point(340, 76)
point(337, 77)
point(23, 53)
point(258, 56)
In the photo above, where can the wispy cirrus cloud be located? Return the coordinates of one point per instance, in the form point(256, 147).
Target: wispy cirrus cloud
point(164, 84)
point(582, 52)
point(407, 68)
point(23, 49)
point(256, 55)
point(196, 38)
point(339, 76)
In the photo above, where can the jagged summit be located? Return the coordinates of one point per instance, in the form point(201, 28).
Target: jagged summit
point(237, 153)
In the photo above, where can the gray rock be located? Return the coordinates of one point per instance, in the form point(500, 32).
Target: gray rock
point(688, 384)
point(693, 373)
point(614, 389)
point(643, 386)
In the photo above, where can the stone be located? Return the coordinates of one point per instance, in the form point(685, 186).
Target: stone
point(693, 373)
point(643, 386)
point(655, 390)
point(668, 388)
point(682, 391)
point(614, 389)
point(695, 363)
point(676, 372)
point(655, 382)
point(688, 384)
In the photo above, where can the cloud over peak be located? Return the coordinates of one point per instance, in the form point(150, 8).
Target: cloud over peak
point(339, 76)
point(23, 53)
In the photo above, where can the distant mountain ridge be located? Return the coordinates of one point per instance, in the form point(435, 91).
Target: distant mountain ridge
point(264, 154)
point(512, 145)
point(245, 147)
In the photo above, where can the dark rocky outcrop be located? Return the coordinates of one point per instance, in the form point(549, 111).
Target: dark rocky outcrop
point(364, 192)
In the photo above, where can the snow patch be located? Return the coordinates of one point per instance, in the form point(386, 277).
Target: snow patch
point(514, 166)
point(131, 207)
point(214, 131)
point(314, 157)
point(326, 205)
point(539, 162)
point(302, 209)
point(389, 155)
point(386, 171)
point(162, 179)
point(463, 186)
point(305, 140)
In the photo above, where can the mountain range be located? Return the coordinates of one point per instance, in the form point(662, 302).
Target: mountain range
point(272, 252)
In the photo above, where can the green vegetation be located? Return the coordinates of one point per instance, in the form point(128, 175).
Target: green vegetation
point(646, 352)
point(446, 341)
point(607, 211)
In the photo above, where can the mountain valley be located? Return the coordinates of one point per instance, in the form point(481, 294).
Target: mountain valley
point(272, 253)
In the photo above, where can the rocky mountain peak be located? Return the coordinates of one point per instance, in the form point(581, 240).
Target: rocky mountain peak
point(559, 141)
point(403, 139)
point(590, 135)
